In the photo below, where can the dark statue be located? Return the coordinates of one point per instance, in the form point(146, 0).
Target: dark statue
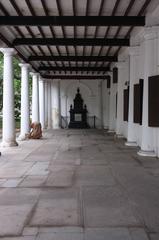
point(78, 113)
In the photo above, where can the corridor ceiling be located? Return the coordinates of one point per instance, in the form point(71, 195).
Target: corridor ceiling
point(64, 37)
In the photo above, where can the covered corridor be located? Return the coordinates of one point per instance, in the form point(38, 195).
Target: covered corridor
point(88, 74)
point(78, 184)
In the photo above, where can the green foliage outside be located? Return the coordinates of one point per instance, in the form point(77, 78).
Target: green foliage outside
point(17, 89)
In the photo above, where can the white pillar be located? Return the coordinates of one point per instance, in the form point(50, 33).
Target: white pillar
point(100, 105)
point(119, 119)
point(46, 103)
point(107, 100)
point(150, 66)
point(56, 104)
point(49, 125)
point(42, 102)
point(25, 108)
point(8, 134)
point(112, 106)
point(104, 105)
point(134, 55)
point(35, 97)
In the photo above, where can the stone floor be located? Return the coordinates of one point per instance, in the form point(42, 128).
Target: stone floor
point(78, 185)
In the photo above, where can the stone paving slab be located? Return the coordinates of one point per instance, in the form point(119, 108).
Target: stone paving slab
point(154, 236)
point(39, 169)
point(57, 208)
point(61, 176)
point(107, 206)
point(60, 236)
point(33, 181)
point(14, 171)
point(115, 234)
point(94, 176)
point(19, 238)
point(13, 218)
point(30, 231)
point(61, 230)
point(19, 196)
point(11, 183)
point(142, 189)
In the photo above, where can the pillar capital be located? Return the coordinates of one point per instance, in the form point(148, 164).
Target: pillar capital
point(151, 33)
point(120, 65)
point(8, 51)
point(110, 73)
point(34, 74)
point(24, 65)
point(41, 79)
point(56, 80)
point(134, 50)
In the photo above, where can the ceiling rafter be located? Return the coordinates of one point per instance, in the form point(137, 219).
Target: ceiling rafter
point(96, 29)
point(117, 3)
point(86, 28)
point(75, 29)
point(72, 41)
point(39, 28)
point(87, 69)
point(73, 58)
point(141, 11)
point(74, 20)
point(128, 9)
point(4, 10)
point(7, 42)
point(63, 29)
point(51, 28)
point(75, 77)
point(15, 6)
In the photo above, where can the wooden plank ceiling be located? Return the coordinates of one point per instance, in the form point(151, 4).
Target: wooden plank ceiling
point(71, 38)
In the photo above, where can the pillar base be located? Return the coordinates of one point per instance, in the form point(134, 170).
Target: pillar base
point(22, 137)
point(9, 144)
point(146, 153)
point(111, 131)
point(131, 144)
point(119, 136)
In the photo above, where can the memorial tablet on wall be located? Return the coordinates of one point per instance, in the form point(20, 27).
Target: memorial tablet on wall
point(115, 75)
point(126, 104)
point(153, 101)
point(108, 82)
point(138, 102)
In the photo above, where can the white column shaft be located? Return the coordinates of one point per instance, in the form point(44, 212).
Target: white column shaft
point(147, 147)
point(100, 107)
point(112, 106)
point(119, 119)
point(134, 56)
point(25, 113)
point(49, 106)
point(56, 104)
point(42, 102)
point(35, 97)
point(8, 135)
point(46, 104)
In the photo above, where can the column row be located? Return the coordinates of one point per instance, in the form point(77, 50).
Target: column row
point(45, 105)
point(129, 98)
